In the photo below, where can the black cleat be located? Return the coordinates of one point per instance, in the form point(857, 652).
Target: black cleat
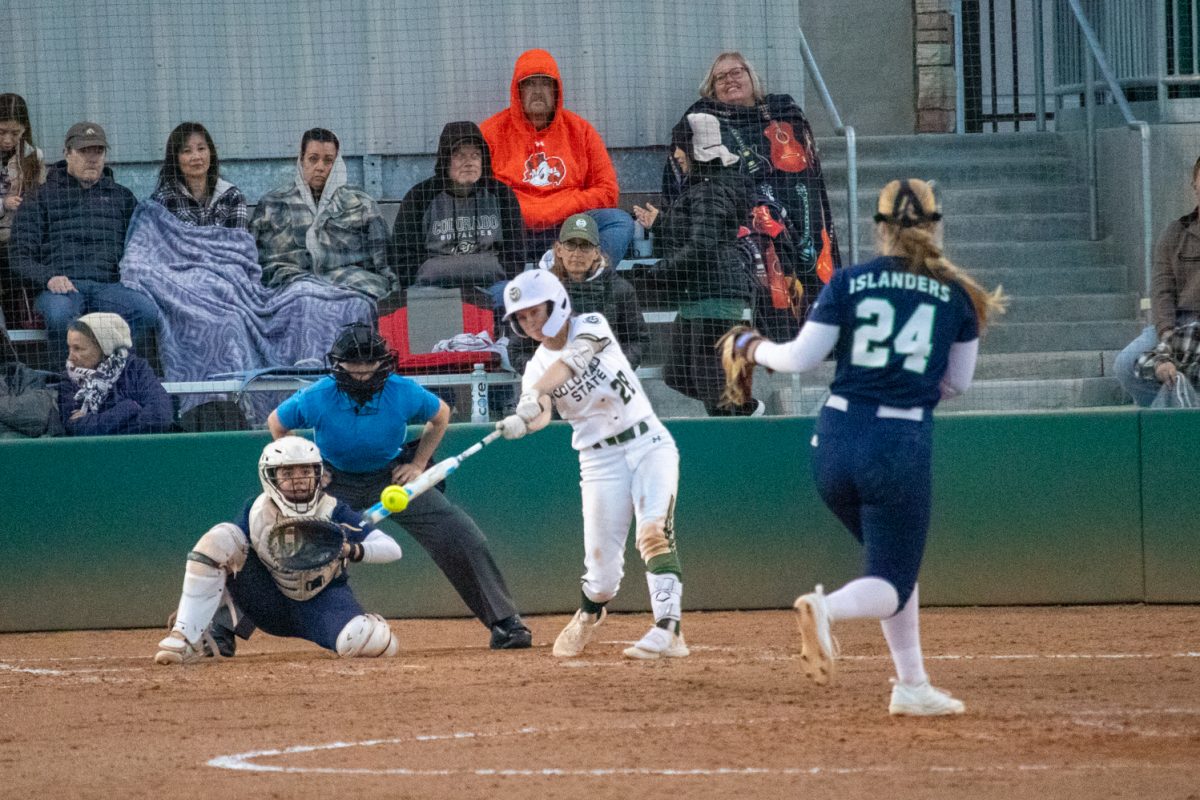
point(511, 634)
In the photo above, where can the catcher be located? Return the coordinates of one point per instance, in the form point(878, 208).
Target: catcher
point(283, 566)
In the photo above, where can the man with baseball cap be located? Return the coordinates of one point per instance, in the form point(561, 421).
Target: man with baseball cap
point(554, 160)
point(68, 240)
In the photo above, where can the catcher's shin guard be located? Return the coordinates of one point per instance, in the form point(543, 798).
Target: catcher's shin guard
point(666, 599)
point(367, 636)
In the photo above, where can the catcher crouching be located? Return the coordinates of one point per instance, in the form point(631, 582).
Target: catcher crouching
point(282, 567)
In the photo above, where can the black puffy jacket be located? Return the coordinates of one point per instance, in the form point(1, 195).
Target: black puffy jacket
point(697, 240)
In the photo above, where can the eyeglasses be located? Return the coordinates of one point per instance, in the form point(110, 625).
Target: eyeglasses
point(576, 244)
point(735, 74)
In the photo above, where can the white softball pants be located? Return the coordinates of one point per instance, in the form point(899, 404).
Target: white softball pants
point(638, 480)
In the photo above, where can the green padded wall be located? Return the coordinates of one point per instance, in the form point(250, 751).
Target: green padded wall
point(1035, 508)
point(1170, 498)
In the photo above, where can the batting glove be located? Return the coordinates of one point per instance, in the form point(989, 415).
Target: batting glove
point(512, 427)
point(529, 407)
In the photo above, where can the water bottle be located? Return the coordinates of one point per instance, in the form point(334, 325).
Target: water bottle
point(643, 241)
point(479, 394)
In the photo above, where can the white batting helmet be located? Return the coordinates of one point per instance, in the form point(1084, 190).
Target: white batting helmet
point(289, 451)
point(531, 288)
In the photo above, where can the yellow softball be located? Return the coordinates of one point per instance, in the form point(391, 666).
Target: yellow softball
point(394, 498)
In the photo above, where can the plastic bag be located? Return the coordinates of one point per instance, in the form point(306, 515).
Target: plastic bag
point(1181, 395)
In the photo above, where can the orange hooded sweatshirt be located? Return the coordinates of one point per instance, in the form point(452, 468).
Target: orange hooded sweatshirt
point(561, 170)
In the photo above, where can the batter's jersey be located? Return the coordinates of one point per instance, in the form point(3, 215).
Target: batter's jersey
point(895, 332)
point(604, 401)
point(359, 438)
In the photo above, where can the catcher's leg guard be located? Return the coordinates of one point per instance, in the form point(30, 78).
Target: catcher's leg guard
point(666, 599)
point(220, 551)
point(367, 636)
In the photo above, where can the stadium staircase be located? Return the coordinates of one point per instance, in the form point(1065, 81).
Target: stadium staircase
point(1017, 216)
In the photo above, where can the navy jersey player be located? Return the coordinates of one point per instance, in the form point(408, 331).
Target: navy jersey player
point(904, 329)
point(232, 566)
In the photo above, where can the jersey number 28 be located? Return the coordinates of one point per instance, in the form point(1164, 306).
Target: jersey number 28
point(914, 339)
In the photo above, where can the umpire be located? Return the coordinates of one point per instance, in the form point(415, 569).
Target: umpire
point(360, 418)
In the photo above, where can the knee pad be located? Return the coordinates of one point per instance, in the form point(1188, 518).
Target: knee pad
point(224, 546)
point(655, 538)
point(367, 636)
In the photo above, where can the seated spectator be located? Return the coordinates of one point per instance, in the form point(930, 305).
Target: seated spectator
point(767, 138)
point(462, 227)
point(1177, 357)
point(554, 160)
point(702, 270)
point(320, 227)
point(190, 184)
point(108, 389)
point(1174, 302)
point(28, 404)
point(593, 285)
point(68, 240)
point(22, 170)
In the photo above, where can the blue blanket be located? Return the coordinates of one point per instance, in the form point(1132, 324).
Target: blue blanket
point(215, 316)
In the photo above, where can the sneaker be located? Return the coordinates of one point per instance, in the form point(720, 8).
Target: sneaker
point(818, 647)
point(511, 634)
point(175, 649)
point(577, 634)
point(922, 700)
point(658, 643)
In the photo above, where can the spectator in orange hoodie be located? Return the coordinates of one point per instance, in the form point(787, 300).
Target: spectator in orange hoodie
point(554, 161)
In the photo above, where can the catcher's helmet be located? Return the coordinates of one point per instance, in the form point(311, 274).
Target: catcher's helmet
point(530, 288)
point(290, 451)
point(359, 343)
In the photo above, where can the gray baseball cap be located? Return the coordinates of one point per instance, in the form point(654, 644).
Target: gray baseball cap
point(85, 134)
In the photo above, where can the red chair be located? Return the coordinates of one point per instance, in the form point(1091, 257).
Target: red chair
point(394, 329)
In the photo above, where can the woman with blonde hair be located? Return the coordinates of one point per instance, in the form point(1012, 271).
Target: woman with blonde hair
point(22, 170)
point(904, 329)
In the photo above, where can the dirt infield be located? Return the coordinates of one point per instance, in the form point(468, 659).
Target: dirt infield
point(1081, 702)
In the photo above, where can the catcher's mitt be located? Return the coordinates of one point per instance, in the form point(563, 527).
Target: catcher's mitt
point(303, 543)
point(739, 369)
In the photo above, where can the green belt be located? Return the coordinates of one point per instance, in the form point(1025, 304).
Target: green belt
point(631, 432)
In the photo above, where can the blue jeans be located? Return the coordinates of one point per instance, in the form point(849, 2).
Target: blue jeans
point(60, 310)
point(616, 234)
point(1142, 390)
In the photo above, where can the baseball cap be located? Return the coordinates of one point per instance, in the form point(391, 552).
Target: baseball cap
point(580, 226)
point(85, 134)
point(907, 203)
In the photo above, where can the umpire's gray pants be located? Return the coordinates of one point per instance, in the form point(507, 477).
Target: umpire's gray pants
point(447, 534)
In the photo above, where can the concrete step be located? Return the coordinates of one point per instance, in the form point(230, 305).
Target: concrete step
point(1019, 145)
point(1025, 281)
point(1049, 226)
point(1072, 307)
point(1033, 198)
point(954, 174)
point(1035, 337)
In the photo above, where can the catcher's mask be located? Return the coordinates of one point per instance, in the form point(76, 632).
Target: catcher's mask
point(532, 288)
point(285, 452)
point(360, 344)
point(908, 203)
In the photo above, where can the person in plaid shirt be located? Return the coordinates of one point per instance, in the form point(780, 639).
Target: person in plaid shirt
point(1178, 353)
point(190, 184)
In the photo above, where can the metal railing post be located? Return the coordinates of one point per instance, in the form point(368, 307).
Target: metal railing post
point(1039, 66)
point(1093, 180)
point(960, 79)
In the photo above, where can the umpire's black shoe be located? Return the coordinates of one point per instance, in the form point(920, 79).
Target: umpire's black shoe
point(511, 634)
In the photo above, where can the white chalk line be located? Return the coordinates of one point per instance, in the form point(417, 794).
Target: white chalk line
point(248, 761)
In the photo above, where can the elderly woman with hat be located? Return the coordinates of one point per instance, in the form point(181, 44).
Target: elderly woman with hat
point(108, 389)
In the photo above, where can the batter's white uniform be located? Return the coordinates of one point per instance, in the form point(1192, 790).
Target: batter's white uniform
point(628, 462)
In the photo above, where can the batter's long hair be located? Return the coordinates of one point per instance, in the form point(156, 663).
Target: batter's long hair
point(909, 227)
point(29, 166)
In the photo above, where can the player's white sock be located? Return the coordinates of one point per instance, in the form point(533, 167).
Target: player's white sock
point(863, 598)
point(903, 634)
point(203, 586)
point(666, 599)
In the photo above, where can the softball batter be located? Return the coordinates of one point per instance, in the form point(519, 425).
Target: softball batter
point(905, 331)
point(628, 463)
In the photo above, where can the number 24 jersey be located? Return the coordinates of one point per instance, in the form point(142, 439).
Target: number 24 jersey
point(895, 332)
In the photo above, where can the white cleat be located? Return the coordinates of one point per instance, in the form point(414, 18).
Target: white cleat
point(175, 649)
point(818, 647)
point(577, 634)
point(658, 643)
point(922, 700)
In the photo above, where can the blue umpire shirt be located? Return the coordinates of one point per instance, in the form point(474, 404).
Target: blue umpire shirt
point(895, 332)
point(356, 438)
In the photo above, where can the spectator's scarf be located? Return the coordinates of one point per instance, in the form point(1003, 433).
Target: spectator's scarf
point(96, 384)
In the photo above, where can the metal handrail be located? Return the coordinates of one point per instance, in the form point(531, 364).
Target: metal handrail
point(842, 130)
point(1143, 129)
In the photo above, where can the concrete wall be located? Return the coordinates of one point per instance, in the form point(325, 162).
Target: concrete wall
point(1030, 508)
